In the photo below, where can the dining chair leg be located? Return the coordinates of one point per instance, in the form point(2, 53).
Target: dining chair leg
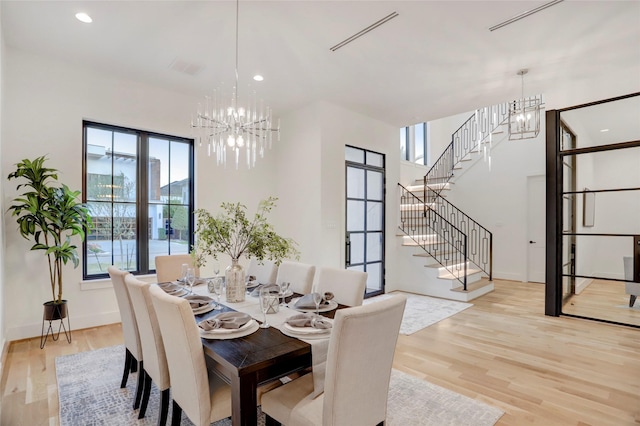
point(128, 360)
point(176, 416)
point(164, 407)
point(139, 386)
point(145, 394)
point(270, 421)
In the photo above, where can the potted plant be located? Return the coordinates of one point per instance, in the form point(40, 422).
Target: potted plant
point(49, 214)
point(232, 233)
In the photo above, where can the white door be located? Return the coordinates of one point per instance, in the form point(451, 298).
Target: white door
point(536, 202)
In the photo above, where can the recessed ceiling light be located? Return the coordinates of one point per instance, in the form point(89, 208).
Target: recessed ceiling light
point(83, 17)
point(604, 130)
point(258, 77)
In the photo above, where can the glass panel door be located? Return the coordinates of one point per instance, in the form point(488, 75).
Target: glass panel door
point(365, 216)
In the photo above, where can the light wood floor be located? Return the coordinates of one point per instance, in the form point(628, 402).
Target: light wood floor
point(503, 351)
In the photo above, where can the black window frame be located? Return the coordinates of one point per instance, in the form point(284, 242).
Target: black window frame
point(142, 196)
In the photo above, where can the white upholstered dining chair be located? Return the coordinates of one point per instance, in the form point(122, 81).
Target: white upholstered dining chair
point(155, 360)
point(200, 393)
point(348, 286)
point(133, 349)
point(265, 273)
point(300, 275)
point(358, 371)
point(169, 267)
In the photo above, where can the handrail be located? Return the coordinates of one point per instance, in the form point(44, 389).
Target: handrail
point(435, 235)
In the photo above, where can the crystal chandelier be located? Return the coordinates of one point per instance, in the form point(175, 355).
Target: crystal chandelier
point(524, 115)
point(229, 129)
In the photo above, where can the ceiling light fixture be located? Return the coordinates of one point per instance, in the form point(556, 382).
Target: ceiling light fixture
point(83, 17)
point(227, 129)
point(524, 115)
point(258, 77)
point(604, 130)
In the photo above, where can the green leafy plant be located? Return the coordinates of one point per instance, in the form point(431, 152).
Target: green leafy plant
point(232, 233)
point(49, 215)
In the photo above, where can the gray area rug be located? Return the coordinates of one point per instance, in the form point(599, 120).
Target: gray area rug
point(90, 394)
point(423, 311)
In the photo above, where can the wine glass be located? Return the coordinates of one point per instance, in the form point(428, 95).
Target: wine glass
point(284, 288)
point(191, 277)
point(265, 298)
point(317, 298)
point(183, 273)
point(217, 288)
point(216, 268)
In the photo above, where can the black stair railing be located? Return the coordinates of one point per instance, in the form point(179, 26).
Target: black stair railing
point(443, 241)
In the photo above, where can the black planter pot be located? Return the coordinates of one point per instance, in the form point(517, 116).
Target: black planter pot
point(55, 311)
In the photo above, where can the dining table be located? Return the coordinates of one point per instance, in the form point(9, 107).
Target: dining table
point(263, 356)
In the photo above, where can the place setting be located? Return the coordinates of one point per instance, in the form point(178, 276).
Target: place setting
point(307, 326)
point(201, 304)
point(228, 325)
point(173, 289)
point(314, 302)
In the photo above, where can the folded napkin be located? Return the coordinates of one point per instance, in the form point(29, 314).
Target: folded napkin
point(306, 302)
point(306, 320)
point(198, 301)
point(169, 287)
point(225, 320)
point(256, 291)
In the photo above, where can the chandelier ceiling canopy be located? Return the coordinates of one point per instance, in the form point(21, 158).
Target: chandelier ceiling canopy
point(243, 124)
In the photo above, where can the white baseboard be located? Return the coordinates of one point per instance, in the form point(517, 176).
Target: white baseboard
point(582, 284)
point(77, 323)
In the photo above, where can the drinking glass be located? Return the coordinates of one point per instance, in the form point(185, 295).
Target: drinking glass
point(217, 288)
point(183, 273)
point(191, 277)
point(284, 288)
point(317, 298)
point(216, 268)
point(264, 305)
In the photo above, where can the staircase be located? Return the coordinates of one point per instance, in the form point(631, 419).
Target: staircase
point(452, 247)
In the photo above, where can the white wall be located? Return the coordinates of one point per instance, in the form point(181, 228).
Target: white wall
point(44, 103)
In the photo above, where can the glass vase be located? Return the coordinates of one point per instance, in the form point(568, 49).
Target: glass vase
point(234, 278)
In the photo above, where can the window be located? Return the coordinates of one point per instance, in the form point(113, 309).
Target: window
point(414, 143)
point(138, 187)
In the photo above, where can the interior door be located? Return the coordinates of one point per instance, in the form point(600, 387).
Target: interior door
point(536, 229)
point(365, 216)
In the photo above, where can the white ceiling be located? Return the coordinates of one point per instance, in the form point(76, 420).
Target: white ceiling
point(437, 58)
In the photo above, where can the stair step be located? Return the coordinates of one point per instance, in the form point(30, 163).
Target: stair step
point(419, 186)
point(473, 286)
point(450, 265)
point(428, 256)
point(416, 207)
point(449, 276)
point(423, 239)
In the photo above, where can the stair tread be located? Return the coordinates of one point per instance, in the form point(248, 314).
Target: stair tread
point(473, 286)
point(449, 276)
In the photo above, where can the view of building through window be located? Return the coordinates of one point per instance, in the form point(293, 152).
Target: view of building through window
point(414, 143)
point(138, 188)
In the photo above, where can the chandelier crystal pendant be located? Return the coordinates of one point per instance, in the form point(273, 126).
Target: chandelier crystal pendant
point(229, 129)
point(524, 115)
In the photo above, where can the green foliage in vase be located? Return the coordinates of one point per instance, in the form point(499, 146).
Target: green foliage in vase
point(49, 215)
point(232, 233)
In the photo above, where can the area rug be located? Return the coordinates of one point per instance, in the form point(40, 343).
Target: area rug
point(90, 394)
point(423, 311)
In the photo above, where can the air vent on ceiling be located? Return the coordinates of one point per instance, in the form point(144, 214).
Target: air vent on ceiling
point(524, 15)
point(364, 31)
point(185, 67)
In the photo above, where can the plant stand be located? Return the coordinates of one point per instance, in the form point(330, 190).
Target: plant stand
point(55, 312)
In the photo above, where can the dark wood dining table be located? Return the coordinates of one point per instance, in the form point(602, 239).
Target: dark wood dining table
point(247, 362)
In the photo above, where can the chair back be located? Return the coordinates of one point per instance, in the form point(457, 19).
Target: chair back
point(155, 359)
point(127, 315)
point(347, 285)
point(169, 267)
point(265, 273)
point(300, 275)
point(185, 356)
point(360, 358)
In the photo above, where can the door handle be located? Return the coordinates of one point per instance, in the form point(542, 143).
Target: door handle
point(532, 242)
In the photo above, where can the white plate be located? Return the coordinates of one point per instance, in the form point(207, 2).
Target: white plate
point(226, 333)
point(252, 284)
point(305, 336)
point(323, 308)
point(205, 309)
point(178, 292)
point(308, 330)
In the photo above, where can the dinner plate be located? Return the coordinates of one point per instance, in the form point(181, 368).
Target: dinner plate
point(308, 330)
point(230, 333)
point(305, 336)
point(205, 309)
point(252, 284)
point(175, 291)
point(323, 307)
